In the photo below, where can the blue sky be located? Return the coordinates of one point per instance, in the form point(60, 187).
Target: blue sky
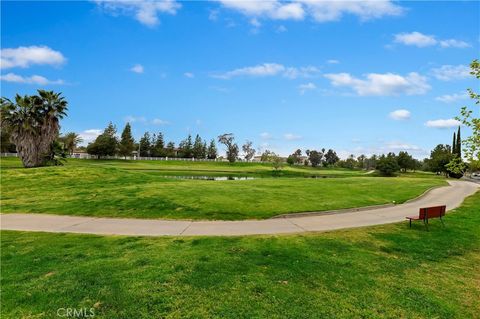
point(359, 77)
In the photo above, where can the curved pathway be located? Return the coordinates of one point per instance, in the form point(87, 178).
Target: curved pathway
point(452, 196)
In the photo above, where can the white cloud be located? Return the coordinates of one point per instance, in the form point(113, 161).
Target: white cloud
point(267, 9)
point(333, 61)
point(415, 38)
point(452, 43)
point(306, 87)
point(270, 69)
point(320, 11)
point(137, 68)
point(326, 11)
point(90, 135)
point(425, 40)
point(266, 136)
point(400, 114)
point(281, 29)
point(24, 57)
point(451, 72)
point(448, 123)
point(382, 84)
point(293, 11)
point(189, 75)
point(266, 69)
point(34, 79)
point(450, 98)
point(292, 137)
point(301, 72)
point(159, 122)
point(144, 11)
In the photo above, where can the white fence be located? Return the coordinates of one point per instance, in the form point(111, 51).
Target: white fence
point(9, 154)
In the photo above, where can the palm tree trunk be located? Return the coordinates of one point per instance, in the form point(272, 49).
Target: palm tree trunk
point(34, 149)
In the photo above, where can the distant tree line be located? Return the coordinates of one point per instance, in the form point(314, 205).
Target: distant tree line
point(387, 164)
point(149, 145)
point(30, 125)
point(25, 128)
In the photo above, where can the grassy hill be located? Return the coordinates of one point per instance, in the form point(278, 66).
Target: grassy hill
point(144, 189)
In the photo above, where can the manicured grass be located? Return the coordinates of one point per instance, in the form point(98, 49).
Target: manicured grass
point(189, 167)
point(138, 189)
point(386, 271)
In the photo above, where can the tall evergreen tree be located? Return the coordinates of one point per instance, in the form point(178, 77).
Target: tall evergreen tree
point(158, 145)
point(186, 147)
point(204, 150)
point(152, 144)
point(458, 144)
point(197, 147)
point(145, 145)
point(212, 150)
point(454, 147)
point(127, 143)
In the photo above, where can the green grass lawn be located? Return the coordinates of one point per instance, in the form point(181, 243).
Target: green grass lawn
point(387, 271)
point(201, 167)
point(140, 189)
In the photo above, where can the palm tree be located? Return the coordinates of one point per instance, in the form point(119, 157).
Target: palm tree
point(34, 124)
point(71, 140)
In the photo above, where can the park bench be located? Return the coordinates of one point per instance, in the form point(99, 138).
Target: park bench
point(428, 212)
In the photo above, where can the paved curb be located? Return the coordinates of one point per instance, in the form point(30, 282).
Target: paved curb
point(332, 212)
point(355, 209)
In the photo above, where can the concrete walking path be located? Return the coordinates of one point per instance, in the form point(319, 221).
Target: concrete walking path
point(452, 196)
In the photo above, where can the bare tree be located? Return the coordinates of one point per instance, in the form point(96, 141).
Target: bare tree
point(232, 148)
point(248, 150)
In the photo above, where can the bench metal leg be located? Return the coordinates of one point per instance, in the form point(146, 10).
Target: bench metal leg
point(425, 222)
point(441, 219)
point(410, 223)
